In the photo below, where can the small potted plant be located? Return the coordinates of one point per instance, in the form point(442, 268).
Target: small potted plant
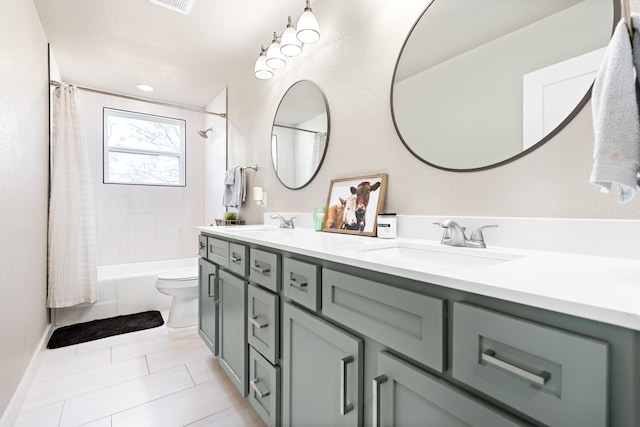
point(230, 218)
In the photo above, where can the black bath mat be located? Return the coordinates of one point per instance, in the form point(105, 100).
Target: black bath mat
point(103, 328)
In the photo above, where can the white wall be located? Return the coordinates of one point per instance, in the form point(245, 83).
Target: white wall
point(24, 169)
point(353, 64)
point(137, 223)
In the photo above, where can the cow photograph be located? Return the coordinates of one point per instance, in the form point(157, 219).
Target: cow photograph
point(353, 204)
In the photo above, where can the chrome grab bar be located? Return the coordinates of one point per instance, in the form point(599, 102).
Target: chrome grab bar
point(254, 385)
point(254, 321)
point(296, 284)
point(345, 407)
point(377, 382)
point(489, 357)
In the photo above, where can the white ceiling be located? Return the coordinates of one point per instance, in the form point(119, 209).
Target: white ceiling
point(113, 45)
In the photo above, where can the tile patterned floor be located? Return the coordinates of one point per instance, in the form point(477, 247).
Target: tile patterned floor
point(157, 377)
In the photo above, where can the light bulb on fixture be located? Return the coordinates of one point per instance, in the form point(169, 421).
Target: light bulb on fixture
point(289, 44)
point(261, 69)
point(275, 58)
point(308, 30)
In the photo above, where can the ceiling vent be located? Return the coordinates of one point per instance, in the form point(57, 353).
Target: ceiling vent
point(182, 6)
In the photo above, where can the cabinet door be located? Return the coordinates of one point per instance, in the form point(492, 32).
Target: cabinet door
point(404, 395)
point(207, 305)
point(263, 322)
point(233, 329)
point(322, 372)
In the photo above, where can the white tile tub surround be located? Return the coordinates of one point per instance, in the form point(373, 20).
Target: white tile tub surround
point(124, 289)
point(599, 237)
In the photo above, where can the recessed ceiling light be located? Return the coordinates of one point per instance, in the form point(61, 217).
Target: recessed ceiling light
point(145, 88)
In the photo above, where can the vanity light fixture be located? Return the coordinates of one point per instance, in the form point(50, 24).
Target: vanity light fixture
point(289, 44)
point(308, 30)
point(261, 69)
point(275, 58)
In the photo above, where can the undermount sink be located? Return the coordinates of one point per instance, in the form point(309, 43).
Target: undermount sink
point(417, 255)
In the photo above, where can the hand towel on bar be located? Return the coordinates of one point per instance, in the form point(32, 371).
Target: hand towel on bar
point(616, 120)
point(229, 198)
point(234, 187)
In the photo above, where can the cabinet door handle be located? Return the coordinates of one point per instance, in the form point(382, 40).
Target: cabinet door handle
point(254, 385)
point(489, 357)
point(345, 407)
point(211, 289)
point(202, 245)
point(236, 260)
point(260, 270)
point(296, 284)
point(254, 321)
point(377, 382)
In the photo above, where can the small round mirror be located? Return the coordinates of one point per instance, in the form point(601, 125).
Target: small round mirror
point(481, 83)
point(300, 134)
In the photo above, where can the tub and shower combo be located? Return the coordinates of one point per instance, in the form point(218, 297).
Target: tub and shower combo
point(135, 287)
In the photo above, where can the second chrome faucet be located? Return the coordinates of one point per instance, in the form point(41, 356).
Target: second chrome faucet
point(454, 235)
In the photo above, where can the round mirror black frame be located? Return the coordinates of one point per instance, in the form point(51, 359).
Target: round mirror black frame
point(585, 99)
point(326, 145)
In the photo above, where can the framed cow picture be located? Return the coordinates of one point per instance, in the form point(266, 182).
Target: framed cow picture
point(353, 204)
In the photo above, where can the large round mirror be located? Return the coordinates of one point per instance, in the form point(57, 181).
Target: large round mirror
point(300, 134)
point(481, 83)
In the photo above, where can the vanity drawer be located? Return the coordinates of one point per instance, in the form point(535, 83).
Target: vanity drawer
point(218, 251)
point(264, 388)
point(264, 269)
point(263, 322)
point(301, 283)
point(411, 323)
point(238, 259)
point(202, 246)
point(556, 377)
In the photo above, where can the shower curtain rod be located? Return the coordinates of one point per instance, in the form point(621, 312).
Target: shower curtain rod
point(135, 98)
point(295, 128)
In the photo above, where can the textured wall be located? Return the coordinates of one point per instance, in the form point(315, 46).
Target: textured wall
point(24, 169)
point(353, 63)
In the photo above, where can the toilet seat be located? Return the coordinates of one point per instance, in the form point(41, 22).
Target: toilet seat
point(181, 274)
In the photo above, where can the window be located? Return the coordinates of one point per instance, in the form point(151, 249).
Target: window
point(143, 149)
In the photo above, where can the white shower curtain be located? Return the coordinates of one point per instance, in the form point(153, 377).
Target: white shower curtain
point(319, 141)
point(72, 230)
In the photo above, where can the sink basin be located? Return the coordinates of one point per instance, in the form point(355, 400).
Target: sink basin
point(416, 255)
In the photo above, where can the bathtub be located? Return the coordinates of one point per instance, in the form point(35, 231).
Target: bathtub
point(123, 289)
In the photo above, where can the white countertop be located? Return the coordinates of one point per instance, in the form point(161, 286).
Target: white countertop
point(604, 289)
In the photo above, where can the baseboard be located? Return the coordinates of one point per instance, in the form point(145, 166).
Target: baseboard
point(13, 408)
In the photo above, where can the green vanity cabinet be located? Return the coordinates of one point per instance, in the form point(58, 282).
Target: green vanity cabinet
point(232, 328)
point(404, 395)
point(207, 304)
point(322, 372)
point(320, 343)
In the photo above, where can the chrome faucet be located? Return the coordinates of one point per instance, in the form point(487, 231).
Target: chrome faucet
point(285, 223)
point(454, 235)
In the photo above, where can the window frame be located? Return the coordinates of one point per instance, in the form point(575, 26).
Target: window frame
point(181, 156)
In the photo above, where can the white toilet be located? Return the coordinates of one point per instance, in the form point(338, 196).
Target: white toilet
point(182, 285)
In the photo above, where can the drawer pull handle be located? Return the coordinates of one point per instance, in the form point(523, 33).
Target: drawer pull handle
point(345, 407)
point(254, 385)
point(202, 246)
point(489, 357)
point(377, 382)
point(260, 270)
point(296, 284)
point(236, 260)
point(254, 321)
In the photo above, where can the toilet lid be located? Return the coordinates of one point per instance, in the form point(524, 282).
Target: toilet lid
point(189, 273)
